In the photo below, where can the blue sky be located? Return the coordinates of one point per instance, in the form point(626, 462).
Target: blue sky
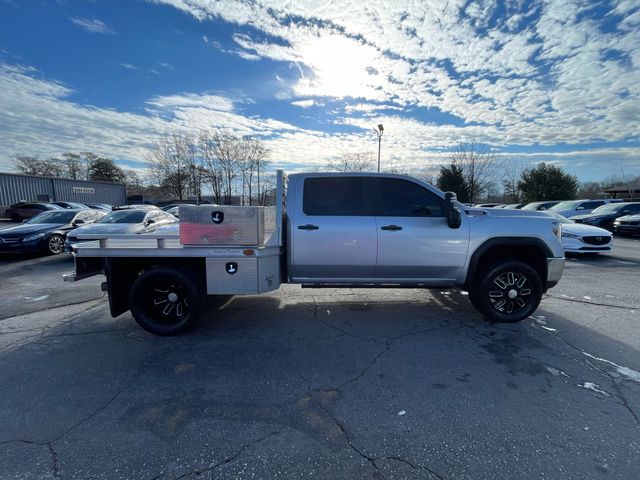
point(538, 81)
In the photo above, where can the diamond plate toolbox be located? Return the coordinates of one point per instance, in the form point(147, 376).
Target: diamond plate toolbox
point(226, 225)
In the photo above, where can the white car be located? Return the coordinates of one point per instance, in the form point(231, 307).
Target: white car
point(582, 238)
point(578, 207)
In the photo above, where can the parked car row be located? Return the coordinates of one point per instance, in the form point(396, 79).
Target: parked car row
point(56, 228)
point(125, 221)
point(46, 232)
point(25, 210)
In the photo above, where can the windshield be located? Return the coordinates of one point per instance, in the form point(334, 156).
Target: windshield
point(53, 217)
point(565, 205)
point(560, 218)
point(611, 208)
point(123, 216)
point(531, 206)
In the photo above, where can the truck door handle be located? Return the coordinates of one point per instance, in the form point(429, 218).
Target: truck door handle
point(391, 227)
point(308, 227)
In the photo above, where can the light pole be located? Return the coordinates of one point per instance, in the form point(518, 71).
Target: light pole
point(379, 131)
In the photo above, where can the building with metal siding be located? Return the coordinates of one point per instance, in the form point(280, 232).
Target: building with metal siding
point(15, 187)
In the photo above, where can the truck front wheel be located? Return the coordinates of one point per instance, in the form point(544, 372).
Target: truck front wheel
point(164, 301)
point(509, 292)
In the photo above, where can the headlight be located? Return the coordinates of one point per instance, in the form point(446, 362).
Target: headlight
point(33, 237)
point(569, 235)
point(557, 229)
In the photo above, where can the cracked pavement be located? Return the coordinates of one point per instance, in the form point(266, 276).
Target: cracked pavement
point(340, 384)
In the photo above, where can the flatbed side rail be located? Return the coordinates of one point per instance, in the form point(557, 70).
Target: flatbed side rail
point(103, 239)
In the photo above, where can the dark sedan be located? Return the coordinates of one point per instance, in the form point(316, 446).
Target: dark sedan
point(45, 232)
point(627, 225)
point(605, 215)
point(23, 210)
point(71, 205)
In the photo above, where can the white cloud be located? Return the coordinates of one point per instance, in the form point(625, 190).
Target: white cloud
point(190, 100)
point(531, 72)
point(304, 103)
point(93, 25)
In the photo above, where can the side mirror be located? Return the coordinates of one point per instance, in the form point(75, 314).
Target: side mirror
point(579, 208)
point(451, 211)
point(149, 222)
point(78, 222)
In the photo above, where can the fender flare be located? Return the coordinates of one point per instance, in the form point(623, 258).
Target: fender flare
point(503, 242)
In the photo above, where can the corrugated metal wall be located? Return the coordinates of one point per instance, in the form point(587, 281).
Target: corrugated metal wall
point(14, 188)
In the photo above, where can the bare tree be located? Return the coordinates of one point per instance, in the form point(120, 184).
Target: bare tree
point(133, 182)
point(253, 161)
point(72, 164)
point(512, 170)
point(227, 150)
point(49, 167)
point(170, 162)
point(429, 173)
point(478, 165)
point(213, 170)
point(268, 191)
point(631, 182)
point(352, 162)
point(590, 190)
point(28, 165)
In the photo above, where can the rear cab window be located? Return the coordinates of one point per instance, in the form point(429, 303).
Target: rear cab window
point(336, 196)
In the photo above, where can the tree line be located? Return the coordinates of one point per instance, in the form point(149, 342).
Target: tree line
point(77, 166)
point(182, 165)
point(475, 173)
point(179, 165)
point(227, 164)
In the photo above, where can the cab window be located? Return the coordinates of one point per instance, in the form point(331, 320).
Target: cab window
point(395, 197)
point(336, 196)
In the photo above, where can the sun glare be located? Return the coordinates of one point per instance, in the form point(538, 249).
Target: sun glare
point(341, 67)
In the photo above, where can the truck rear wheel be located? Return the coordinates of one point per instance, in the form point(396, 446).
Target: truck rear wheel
point(510, 292)
point(164, 301)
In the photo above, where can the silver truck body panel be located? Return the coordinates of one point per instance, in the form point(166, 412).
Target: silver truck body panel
point(426, 251)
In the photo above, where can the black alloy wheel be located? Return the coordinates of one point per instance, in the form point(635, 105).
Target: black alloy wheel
point(510, 292)
point(164, 301)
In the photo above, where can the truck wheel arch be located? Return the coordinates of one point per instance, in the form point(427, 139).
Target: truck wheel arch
point(122, 272)
point(532, 251)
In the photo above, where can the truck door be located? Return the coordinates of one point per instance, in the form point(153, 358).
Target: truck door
point(414, 239)
point(333, 236)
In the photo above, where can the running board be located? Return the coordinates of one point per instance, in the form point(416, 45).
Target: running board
point(372, 285)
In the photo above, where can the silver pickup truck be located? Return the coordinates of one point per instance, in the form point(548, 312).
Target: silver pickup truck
point(330, 230)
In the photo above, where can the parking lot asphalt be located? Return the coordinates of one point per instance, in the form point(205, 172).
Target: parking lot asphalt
point(339, 384)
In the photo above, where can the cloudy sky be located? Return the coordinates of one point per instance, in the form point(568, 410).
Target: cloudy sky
point(538, 80)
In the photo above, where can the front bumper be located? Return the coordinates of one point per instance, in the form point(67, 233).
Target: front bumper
point(626, 229)
point(555, 267)
point(578, 245)
point(21, 247)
